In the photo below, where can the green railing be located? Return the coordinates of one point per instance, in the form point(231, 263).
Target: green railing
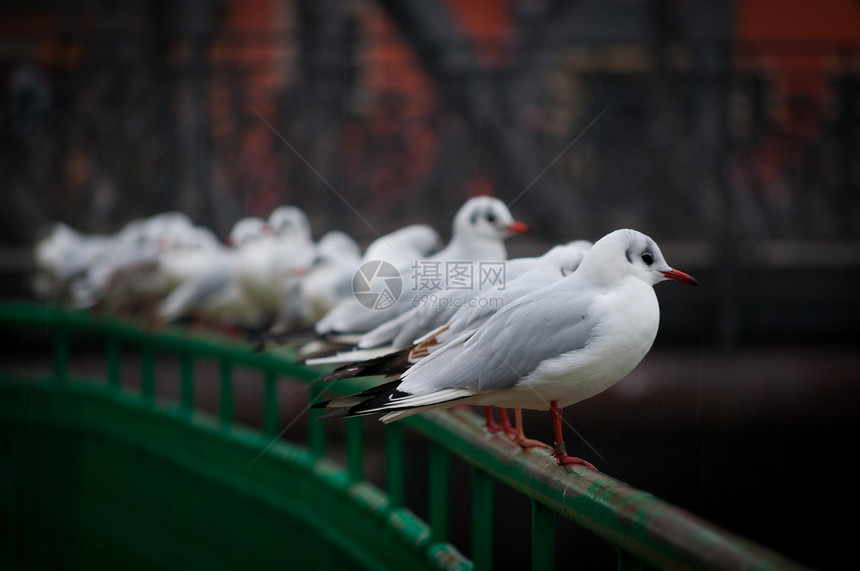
point(370, 527)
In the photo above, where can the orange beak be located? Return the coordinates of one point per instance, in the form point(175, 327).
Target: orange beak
point(518, 227)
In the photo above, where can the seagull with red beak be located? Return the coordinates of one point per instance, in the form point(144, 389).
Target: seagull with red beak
point(479, 231)
point(549, 349)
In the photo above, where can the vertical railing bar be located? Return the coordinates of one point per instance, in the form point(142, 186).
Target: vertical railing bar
point(354, 434)
point(225, 400)
point(543, 537)
point(186, 381)
point(114, 362)
point(61, 355)
point(395, 465)
point(147, 371)
point(437, 495)
point(316, 429)
point(482, 519)
point(628, 562)
point(270, 404)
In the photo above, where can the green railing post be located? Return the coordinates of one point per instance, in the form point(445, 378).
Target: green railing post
point(316, 429)
point(225, 400)
point(114, 362)
point(147, 371)
point(437, 494)
point(186, 381)
point(270, 404)
point(395, 465)
point(543, 537)
point(354, 434)
point(482, 519)
point(61, 355)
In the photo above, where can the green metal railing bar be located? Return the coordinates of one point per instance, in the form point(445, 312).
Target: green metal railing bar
point(270, 404)
point(186, 381)
point(316, 430)
point(482, 519)
point(543, 537)
point(225, 398)
point(395, 467)
point(354, 433)
point(437, 493)
point(315, 490)
point(641, 526)
point(147, 371)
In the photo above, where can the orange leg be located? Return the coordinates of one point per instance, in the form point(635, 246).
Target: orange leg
point(519, 437)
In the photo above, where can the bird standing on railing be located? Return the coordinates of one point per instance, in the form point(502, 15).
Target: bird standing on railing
point(523, 276)
point(480, 228)
point(549, 349)
point(210, 290)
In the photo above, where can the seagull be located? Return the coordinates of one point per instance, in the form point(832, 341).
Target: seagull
point(88, 267)
point(308, 296)
point(435, 325)
point(479, 230)
point(404, 329)
point(558, 262)
point(146, 279)
point(549, 349)
point(400, 248)
point(209, 288)
point(257, 271)
point(63, 254)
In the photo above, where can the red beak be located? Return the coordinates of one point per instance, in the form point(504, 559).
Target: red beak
point(679, 276)
point(518, 227)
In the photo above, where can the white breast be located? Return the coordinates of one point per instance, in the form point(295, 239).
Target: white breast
point(619, 342)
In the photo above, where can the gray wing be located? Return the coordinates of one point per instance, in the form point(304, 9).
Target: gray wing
point(491, 302)
point(541, 325)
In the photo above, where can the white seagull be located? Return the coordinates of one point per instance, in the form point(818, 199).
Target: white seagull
point(480, 228)
point(549, 349)
point(210, 290)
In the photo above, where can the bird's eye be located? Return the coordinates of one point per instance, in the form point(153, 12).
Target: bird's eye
point(647, 258)
point(491, 218)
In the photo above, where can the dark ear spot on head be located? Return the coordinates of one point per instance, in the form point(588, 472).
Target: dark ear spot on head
point(474, 217)
point(628, 256)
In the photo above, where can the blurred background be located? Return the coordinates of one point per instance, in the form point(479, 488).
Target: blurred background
point(728, 131)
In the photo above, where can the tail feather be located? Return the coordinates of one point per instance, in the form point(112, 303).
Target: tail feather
point(387, 398)
point(393, 364)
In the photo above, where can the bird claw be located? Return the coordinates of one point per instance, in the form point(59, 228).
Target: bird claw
point(564, 460)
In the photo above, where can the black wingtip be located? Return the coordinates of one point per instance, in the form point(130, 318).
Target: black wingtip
point(336, 413)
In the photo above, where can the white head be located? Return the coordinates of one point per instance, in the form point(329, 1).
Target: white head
point(248, 230)
point(289, 222)
point(484, 216)
point(627, 252)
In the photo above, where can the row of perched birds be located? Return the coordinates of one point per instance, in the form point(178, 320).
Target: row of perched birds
point(550, 331)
